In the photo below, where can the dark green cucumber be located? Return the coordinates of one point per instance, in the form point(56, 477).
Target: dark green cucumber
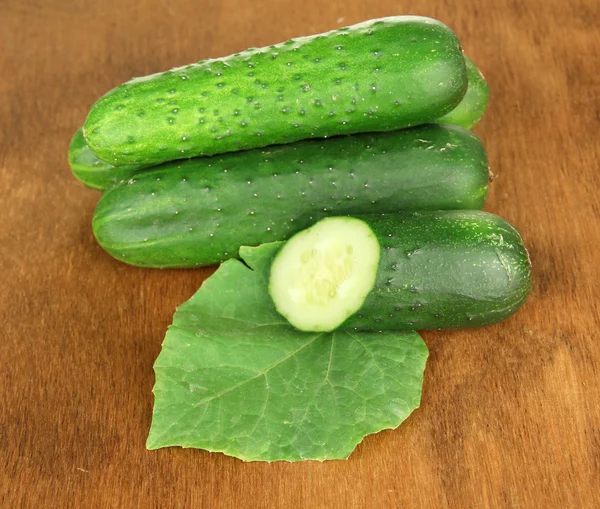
point(380, 75)
point(92, 171)
point(200, 211)
point(473, 105)
point(430, 270)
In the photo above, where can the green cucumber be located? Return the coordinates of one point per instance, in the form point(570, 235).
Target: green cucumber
point(200, 211)
point(380, 75)
point(403, 271)
point(98, 174)
point(473, 105)
point(92, 171)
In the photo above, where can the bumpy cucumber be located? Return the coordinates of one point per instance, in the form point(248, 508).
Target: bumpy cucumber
point(200, 211)
point(404, 271)
point(379, 75)
point(98, 174)
point(92, 171)
point(472, 107)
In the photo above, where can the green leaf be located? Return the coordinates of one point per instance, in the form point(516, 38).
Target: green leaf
point(234, 377)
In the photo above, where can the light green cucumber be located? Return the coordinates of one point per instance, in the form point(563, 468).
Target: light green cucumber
point(473, 105)
point(200, 211)
point(403, 271)
point(380, 75)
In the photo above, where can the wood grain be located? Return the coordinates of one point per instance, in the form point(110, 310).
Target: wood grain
point(510, 414)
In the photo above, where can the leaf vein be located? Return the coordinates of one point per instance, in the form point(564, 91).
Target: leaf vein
point(231, 389)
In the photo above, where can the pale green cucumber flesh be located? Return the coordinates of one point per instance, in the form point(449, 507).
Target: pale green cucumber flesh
point(200, 212)
point(323, 274)
point(380, 75)
point(437, 270)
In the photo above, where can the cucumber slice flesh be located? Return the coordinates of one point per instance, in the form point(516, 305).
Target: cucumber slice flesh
point(323, 274)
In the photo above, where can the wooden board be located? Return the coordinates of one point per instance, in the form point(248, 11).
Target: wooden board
point(510, 414)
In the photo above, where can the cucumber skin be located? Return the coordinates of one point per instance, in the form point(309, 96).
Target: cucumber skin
point(199, 212)
point(379, 75)
point(444, 270)
point(98, 174)
point(470, 110)
point(93, 172)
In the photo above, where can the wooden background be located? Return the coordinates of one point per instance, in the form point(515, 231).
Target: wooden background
point(510, 414)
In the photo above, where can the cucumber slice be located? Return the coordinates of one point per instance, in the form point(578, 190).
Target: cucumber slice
point(323, 274)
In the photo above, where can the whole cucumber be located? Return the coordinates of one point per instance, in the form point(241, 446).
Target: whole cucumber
point(200, 211)
point(95, 173)
point(402, 271)
point(380, 75)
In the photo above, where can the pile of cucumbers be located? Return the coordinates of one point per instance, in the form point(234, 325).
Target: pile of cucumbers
point(354, 144)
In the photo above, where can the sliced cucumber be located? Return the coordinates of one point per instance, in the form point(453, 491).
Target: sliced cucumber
point(407, 271)
point(324, 273)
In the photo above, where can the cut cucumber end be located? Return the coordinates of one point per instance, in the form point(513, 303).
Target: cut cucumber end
point(323, 274)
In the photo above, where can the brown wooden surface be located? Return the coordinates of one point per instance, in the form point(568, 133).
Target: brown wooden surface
point(510, 414)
